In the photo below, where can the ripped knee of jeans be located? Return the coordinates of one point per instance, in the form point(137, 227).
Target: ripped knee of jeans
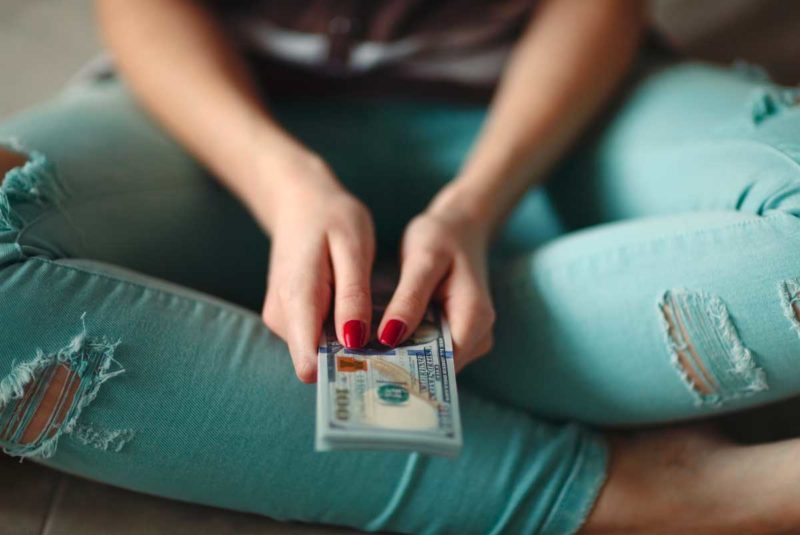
point(42, 399)
point(706, 349)
point(768, 99)
point(9, 160)
point(30, 185)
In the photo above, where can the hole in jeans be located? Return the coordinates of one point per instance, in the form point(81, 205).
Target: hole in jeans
point(9, 160)
point(706, 348)
point(686, 354)
point(42, 399)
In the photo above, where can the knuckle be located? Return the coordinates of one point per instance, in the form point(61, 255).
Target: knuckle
point(272, 324)
point(353, 293)
point(304, 373)
point(488, 313)
point(303, 368)
point(299, 288)
point(350, 213)
point(361, 214)
point(427, 228)
point(351, 245)
point(422, 259)
point(481, 312)
point(408, 303)
point(421, 222)
point(268, 313)
point(266, 318)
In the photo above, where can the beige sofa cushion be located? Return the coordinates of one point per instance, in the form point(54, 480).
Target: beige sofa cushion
point(764, 32)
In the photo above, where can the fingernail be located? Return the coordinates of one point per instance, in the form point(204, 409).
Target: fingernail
point(392, 333)
point(354, 331)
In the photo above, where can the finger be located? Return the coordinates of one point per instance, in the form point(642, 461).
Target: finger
point(352, 257)
point(305, 304)
point(469, 310)
point(272, 315)
point(420, 274)
point(271, 311)
point(483, 346)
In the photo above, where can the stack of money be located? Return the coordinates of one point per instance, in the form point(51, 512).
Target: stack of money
point(394, 399)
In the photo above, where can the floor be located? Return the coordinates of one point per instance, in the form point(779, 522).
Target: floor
point(42, 43)
point(38, 501)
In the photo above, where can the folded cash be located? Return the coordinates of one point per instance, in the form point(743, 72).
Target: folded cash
point(390, 399)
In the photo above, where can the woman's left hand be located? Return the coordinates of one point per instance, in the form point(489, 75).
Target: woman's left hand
point(443, 255)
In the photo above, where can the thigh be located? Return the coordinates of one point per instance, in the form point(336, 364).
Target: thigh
point(105, 183)
point(681, 303)
point(683, 137)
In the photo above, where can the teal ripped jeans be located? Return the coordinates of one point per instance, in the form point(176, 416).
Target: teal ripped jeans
point(656, 278)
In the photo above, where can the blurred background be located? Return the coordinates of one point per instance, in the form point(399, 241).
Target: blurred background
point(44, 42)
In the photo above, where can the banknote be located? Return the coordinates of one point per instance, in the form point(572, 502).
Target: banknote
point(382, 398)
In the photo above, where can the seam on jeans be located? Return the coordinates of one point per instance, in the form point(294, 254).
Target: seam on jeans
point(598, 482)
point(515, 279)
point(410, 473)
point(592, 455)
point(510, 282)
point(777, 149)
point(204, 299)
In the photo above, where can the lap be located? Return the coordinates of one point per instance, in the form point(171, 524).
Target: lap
point(134, 198)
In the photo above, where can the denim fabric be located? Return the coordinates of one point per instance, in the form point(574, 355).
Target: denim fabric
point(654, 279)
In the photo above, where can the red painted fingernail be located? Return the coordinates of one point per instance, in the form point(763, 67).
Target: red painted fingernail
point(392, 333)
point(354, 331)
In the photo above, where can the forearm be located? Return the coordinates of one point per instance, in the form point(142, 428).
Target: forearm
point(564, 68)
point(183, 68)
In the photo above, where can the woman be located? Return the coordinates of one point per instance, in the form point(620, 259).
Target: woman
point(678, 304)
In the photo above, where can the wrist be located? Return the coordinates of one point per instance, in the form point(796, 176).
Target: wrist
point(281, 174)
point(464, 206)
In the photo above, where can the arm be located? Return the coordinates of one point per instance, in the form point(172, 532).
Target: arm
point(180, 64)
point(565, 66)
point(177, 60)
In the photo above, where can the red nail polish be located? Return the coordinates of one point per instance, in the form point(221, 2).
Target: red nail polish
point(392, 333)
point(354, 331)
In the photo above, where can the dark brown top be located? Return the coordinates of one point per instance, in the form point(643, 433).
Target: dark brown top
point(455, 48)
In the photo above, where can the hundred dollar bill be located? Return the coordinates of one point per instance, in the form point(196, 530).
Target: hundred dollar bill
point(397, 399)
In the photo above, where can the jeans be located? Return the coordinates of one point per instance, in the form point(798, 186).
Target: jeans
point(653, 279)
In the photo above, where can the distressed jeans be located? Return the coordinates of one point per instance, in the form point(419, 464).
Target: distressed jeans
point(655, 278)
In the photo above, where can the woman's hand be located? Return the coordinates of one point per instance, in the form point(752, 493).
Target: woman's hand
point(322, 245)
point(444, 256)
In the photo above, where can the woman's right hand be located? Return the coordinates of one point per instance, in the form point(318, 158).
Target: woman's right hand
point(322, 245)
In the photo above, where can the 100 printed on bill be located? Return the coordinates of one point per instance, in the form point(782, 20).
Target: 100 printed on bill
point(401, 398)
